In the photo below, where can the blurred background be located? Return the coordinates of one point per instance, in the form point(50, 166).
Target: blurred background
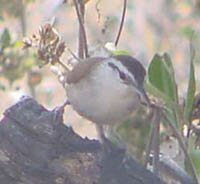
point(150, 27)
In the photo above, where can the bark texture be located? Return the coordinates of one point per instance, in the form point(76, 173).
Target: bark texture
point(37, 148)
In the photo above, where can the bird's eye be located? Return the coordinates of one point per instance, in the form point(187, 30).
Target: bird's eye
point(122, 75)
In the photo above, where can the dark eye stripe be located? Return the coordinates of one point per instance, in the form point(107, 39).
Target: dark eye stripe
point(134, 67)
point(122, 75)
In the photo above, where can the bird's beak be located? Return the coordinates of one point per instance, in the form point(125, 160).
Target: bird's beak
point(142, 93)
point(145, 97)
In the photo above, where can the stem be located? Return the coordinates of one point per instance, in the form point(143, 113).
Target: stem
point(155, 141)
point(23, 17)
point(98, 10)
point(82, 34)
point(23, 27)
point(184, 148)
point(148, 146)
point(63, 65)
point(81, 47)
point(73, 55)
point(121, 22)
point(32, 90)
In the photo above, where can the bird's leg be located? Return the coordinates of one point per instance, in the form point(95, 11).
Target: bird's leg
point(100, 132)
point(106, 143)
point(58, 111)
point(108, 146)
point(116, 138)
point(61, 108)
point(65, 104)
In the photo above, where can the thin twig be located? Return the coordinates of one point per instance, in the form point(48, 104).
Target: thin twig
point(73, 55)
point(98, 10)
point(121, 22)
point(149, 145)
point(23, 17)
point(63, 65)
point(183, 146)
point(192, 57)
point(82, 32)
point(81, 46)
point(155, 141)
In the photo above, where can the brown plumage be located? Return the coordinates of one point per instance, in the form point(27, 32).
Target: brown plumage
point(83, 68)
point(106, 90)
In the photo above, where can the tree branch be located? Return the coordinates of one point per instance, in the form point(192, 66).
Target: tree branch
point(58, 153)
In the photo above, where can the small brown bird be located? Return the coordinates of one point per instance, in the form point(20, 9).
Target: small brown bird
point(106, 90)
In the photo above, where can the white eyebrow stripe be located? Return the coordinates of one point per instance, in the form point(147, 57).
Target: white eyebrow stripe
point(121, 68)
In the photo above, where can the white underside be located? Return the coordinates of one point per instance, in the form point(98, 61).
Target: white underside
point(103, 98)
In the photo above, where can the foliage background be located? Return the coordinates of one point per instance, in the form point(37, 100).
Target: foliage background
point(150, 27)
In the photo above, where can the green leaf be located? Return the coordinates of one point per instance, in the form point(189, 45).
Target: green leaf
point(187, 31)
point(161, 77)
point(5, 38)
point(191, 87)
point(30, 1)
point(195, 156)
point(121, 52)
point(1, 19)
point(18, 44)
point(157, 93)
point(2, 87)
point(172, 74)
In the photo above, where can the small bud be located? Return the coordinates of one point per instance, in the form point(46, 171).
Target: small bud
point(62, 79)
point(60, 49)
point(110, 46)
point(27, 43)
point(55, 70)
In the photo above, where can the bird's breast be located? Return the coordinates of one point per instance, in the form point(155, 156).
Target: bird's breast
point(102, 98)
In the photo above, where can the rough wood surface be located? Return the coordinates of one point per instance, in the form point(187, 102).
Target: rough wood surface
point(37, 148)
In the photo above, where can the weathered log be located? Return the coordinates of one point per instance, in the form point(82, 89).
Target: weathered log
point(37, 148)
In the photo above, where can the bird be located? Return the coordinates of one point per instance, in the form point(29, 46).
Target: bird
point(106, 90)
